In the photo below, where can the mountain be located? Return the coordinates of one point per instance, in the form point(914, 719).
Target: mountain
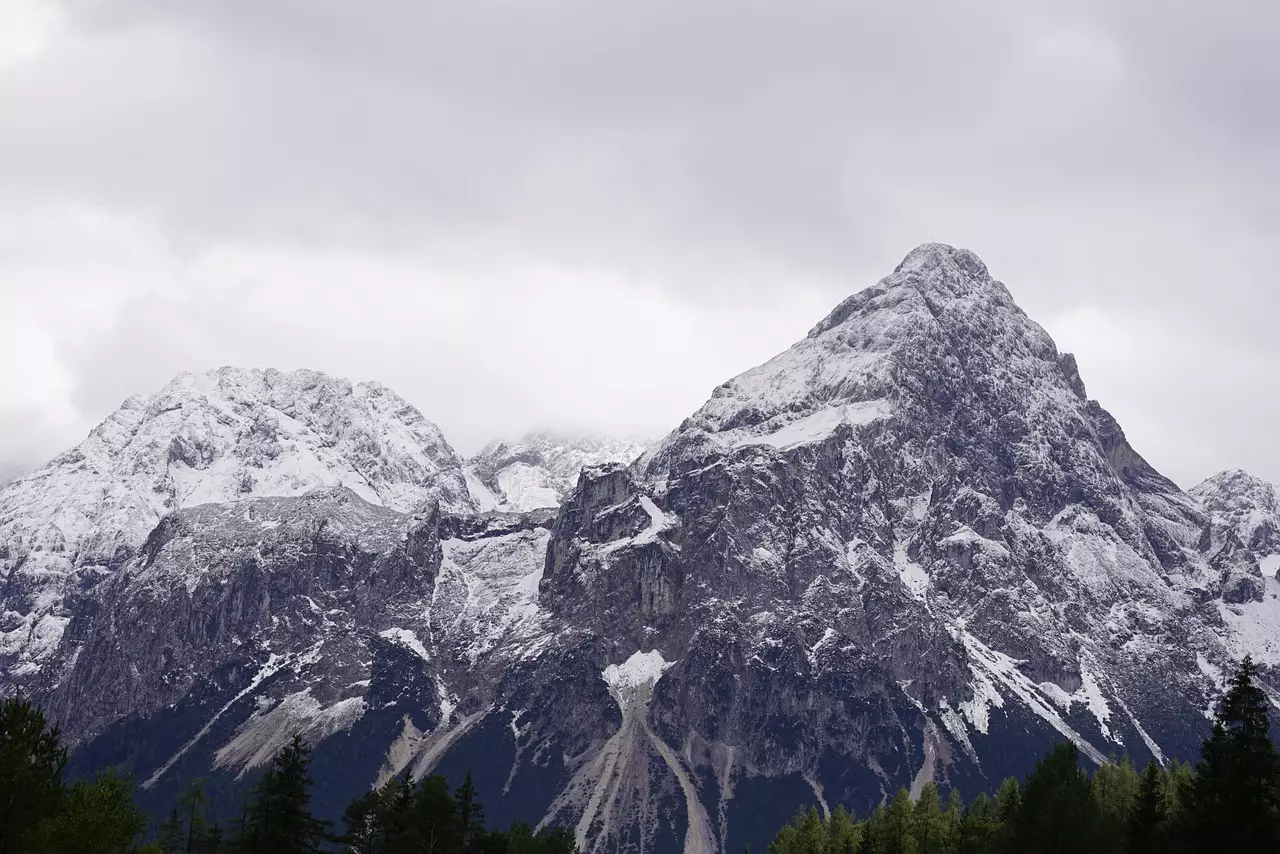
point(219, 437)
point(909, 548)
point(540, 469)
point(1247, 508)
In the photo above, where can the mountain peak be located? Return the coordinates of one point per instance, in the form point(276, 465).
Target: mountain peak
point(937, 330)
point(1247, 505)
point(934, 278)
point(213, 437)
point(930, 256)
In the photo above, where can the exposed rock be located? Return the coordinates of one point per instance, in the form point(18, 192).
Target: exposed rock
point(908, 548)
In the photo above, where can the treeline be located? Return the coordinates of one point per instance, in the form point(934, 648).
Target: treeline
point(1230, 801)
point(41, 814)
point(400, 817)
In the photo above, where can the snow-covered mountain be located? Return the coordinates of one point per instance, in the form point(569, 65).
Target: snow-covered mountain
point(909, 548)
point(540, 469)
point(218, 437)
point(1249, 508)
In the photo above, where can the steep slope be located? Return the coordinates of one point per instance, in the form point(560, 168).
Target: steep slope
point(217, 437)
point(910, 548)
point(540, 469)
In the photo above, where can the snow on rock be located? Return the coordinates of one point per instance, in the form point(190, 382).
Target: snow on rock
point(641, 669)
point(483, 497)
point(1253, 628)
point(996, 667)
point(849, 368)
point(631, 683)
point(408, 639)
point(486, 595)
point(810, 428)
point(1248, 505)
point(540, 469)
point(913, 575)
point(218, 437)
point(269, 729)
point(658, 521)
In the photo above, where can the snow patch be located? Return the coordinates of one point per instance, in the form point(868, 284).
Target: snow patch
point(486, 595)
point(1253, 628)
point(265, 733)
point(993, 666)
point(483, 496)
point(913, 575)
point(827, 636)
point(641, 669)
point(814, 427)
point(658, 521)
point(527, 487)
point(406, 638)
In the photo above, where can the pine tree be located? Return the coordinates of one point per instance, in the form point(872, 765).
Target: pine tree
point(844, 835)
point(470, 814)
point(788, 839)
point(100, 817)
point(1144, 833)
point(366, 830)
point(1115, 789)
point(32, 759)
point(1234, 800)
point(193, 802)
point(1058, 812)
point(211, 843)
point(812, 837)
point(901, 814)
point(929, 825)
point(980, 827)
point(279, 819)
point(951, 821)
point(1176, 783)
point(557, 840)
point(1008, 803)
point(432, 823)
point(169, 834)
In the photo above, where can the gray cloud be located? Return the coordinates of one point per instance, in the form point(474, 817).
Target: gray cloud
point(587, 214)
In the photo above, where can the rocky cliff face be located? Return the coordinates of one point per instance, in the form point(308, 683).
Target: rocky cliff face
point(540, 469)
point(910, 548)
point(219, 437)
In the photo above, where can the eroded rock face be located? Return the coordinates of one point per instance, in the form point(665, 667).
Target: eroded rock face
point(219, 437)
point(909, 548)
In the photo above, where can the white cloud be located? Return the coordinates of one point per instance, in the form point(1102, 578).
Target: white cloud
point(26, 26)
point(584, 215)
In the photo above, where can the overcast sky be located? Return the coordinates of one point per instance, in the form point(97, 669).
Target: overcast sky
point(585, 214)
